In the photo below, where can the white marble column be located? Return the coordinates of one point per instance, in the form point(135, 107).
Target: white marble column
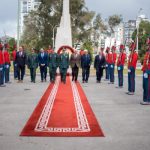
point(64, 34)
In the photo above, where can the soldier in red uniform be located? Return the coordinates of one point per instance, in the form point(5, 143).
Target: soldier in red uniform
point(132, 61)
point(14, 62)
point(111, 61)
point(50, 50)
point(82, 52)
point(146, 76)
point(1, 67)
point(120, 65)
point(106, 65)
point(7, 65)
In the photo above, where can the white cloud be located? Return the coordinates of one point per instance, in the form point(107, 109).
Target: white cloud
point(127, 8)
point(9, 28)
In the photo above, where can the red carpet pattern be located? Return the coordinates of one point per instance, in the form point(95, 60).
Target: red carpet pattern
point(63, 111)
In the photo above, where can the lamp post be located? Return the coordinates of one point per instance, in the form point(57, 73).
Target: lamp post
point(18, 25)
point(53, 38)
point(54, 35)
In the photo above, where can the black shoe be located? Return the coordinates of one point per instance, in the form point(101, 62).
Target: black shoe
point(86, 81)
point(111, 83)
point(53, 81)
point(3, 85)
point(106, 79)
point(145, 103)
point(119, 87)
point(8, 82)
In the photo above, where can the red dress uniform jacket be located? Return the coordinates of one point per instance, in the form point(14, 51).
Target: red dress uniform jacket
point(106, 57)
point(14, 55)
point(82, 52)
point(121, 59)
point(112, 58)
point(6, 57)
point(146, 63)
point(1, 58)
point(132, 61)
point(49, 51)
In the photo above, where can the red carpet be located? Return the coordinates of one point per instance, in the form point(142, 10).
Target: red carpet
point(63, 111)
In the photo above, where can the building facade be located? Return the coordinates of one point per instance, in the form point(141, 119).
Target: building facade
point(129, 28)
point(25, 7)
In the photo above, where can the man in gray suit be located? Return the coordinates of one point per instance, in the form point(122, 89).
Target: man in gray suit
point(75, 61)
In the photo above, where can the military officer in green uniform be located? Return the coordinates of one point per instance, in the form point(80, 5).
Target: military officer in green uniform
point(63, 64)
point(32, 62)
point(52, 64)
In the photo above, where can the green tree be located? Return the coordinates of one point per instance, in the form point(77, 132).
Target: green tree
point(113, 21)
point(11, 44)
point(39, 24)
point(144, 32)
point(98, 28)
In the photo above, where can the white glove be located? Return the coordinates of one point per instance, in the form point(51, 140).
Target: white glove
point(106, 65)
point(145, 75)
point(7, 66)
point(112, 66)
point(129, 70)
point(1, 69)
point(119, 68)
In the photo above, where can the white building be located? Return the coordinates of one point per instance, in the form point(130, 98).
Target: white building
point(116, 38)
point(25, 7)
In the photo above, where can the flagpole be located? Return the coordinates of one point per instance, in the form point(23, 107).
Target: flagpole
point(18, 25)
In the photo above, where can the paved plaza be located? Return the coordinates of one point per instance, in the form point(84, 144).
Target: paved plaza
point(125, 123)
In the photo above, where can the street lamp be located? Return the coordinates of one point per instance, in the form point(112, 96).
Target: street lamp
point(54, 35)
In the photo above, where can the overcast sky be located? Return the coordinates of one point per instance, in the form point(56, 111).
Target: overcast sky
point(127, 8)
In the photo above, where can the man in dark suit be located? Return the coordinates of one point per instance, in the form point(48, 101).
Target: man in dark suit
point(43, 60)
point(21, 62)
point(99, 64)
point(75, 61)
point(85, 64)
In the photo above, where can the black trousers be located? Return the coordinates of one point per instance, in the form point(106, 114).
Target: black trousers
point(75, 71)
point(1, 74)
point(15, 70)
point(21, 72)
point(99, 73)
point(85, 73)
point(43, 71)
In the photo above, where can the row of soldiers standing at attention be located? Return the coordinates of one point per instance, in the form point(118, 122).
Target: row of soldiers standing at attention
point(102, 61)
point(111, 58)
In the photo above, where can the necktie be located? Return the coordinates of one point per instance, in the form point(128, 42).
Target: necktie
point(42, 54)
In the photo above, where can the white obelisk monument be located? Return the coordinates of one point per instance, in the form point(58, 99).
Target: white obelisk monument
point(64, 35)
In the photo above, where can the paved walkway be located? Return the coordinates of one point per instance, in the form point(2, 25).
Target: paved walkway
point(126, 124)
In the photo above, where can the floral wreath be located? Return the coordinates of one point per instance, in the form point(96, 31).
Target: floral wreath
point(67, 47)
